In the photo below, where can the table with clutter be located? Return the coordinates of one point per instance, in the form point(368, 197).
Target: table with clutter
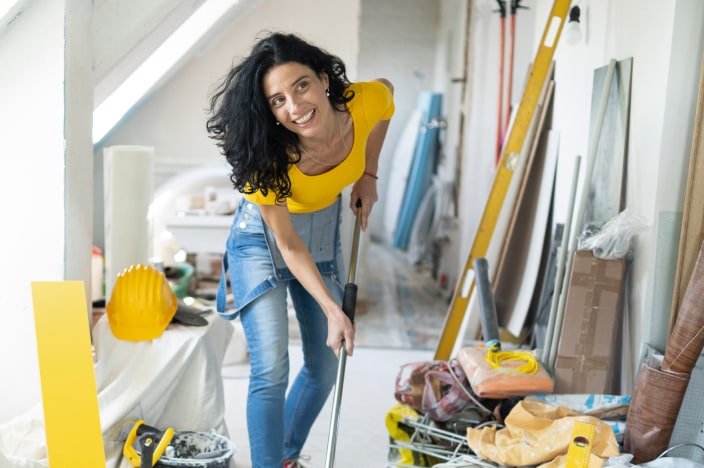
point(170, 381)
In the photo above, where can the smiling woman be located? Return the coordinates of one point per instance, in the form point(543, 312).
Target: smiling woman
point(302, 136)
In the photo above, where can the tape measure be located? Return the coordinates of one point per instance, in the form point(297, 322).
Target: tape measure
point(504, 172)
point(580, 447)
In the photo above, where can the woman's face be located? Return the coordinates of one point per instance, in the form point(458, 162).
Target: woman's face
point(296, 96)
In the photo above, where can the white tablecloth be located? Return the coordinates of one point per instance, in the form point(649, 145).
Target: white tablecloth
point(172, 381)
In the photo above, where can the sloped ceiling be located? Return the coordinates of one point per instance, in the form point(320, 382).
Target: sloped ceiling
point(127, 32)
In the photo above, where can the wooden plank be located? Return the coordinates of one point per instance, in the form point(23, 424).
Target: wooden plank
point(692, 233)
point(510, 276)
point(69, 396)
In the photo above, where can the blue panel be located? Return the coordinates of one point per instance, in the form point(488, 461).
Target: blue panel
point(424, 163)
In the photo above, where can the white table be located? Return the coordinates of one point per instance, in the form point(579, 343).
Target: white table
point(172, 381)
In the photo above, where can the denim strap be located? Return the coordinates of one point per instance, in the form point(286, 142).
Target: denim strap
point(221, 297)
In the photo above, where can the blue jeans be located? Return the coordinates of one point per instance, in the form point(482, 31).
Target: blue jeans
point(279, 424)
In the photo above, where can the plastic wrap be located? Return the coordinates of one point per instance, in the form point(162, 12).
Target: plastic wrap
point(614, 240)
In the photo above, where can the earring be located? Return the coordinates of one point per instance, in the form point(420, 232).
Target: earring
point(278, 123)
point(327, 92)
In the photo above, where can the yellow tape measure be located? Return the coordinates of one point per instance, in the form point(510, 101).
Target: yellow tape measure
point(580, 447)
point(507, 164)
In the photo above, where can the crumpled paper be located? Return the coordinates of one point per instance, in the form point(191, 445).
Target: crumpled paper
point(536, 433)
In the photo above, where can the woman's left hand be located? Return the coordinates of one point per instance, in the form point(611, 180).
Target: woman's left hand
point(341, 330)
point(365, 191)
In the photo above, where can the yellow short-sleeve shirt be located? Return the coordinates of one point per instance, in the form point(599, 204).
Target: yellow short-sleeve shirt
point(372, 102)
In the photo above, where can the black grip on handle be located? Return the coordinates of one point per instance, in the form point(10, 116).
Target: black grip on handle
point(349, 300)
point(143, 429)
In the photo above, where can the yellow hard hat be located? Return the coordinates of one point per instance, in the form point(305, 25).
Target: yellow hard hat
point(141, 305)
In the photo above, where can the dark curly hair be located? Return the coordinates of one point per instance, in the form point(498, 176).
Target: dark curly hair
point(243, 124)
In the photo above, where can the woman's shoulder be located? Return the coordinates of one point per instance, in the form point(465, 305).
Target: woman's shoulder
point(380, 86)
point(375, 99)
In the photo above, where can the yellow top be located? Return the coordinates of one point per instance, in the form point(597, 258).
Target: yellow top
point(372, 102)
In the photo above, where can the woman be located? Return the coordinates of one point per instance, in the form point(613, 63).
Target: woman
point(295, 132)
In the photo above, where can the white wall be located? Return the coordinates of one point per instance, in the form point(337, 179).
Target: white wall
point(31, 187)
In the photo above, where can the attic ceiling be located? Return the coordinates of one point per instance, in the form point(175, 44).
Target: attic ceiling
point(126, 33)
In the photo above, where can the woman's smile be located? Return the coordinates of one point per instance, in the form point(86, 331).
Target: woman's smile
point(305, 119)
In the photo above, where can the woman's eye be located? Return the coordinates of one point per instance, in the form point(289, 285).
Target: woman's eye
point(277, 101)
point(302, 85)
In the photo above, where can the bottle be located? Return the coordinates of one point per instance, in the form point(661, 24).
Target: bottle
point(97, 275)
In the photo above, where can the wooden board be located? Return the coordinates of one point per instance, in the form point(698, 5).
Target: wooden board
point(508, 213)
point(525, 272)
point(692, 233)
point(516, 272)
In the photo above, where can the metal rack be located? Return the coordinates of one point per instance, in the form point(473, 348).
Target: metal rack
point(429, 439)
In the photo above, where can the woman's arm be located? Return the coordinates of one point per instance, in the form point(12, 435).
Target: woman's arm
point(365, 189)
point(301, 264)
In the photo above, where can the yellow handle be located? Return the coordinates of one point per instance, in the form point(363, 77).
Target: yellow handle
point(131, 454)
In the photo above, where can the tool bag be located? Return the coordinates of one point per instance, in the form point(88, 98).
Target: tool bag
point(436, 388)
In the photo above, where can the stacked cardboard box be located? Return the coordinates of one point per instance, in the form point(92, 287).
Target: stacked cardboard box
point(588, 356)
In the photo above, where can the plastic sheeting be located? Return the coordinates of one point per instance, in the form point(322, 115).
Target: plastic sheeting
point(172, 381)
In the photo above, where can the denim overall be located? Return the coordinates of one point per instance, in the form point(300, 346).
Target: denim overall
point(261, 285)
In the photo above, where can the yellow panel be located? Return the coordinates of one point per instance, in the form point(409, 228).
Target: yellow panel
point(69, 396)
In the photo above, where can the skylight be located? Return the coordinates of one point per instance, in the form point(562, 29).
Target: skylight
point(174, 48)
point(5, 7)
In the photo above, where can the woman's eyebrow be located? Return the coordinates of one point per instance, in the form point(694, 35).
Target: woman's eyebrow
point(295, 82)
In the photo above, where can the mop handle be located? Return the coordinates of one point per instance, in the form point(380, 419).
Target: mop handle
point(349, 301)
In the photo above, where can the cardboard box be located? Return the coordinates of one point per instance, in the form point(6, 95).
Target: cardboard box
point(588, 353)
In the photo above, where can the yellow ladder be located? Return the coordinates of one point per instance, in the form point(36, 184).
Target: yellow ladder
point(504, 172)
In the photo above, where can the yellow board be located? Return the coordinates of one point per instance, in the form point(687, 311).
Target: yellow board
point(504, 172)
point(580, 448)
point(69, 395)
